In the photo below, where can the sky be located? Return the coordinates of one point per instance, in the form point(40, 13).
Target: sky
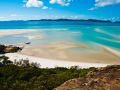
point(58, 9)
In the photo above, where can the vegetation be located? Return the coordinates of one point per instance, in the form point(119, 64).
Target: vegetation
point(104, 78)
point(8, 49)
point(29, 76)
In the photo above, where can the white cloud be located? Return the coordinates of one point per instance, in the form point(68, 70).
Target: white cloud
point(53, 1)
point(34, 3)
point(103, 3)
point(61, 2)
point(44, 7)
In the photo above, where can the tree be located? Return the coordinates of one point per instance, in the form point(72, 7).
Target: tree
point(4, 61)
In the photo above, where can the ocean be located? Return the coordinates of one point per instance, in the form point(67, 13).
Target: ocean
point(46, 32)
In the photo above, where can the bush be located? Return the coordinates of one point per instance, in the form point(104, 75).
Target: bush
point(30, 77)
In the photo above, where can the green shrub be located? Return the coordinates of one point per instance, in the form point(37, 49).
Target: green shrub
point(30, 77)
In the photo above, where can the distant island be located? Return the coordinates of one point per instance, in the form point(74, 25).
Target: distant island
point(91, 20)
point(82, 20)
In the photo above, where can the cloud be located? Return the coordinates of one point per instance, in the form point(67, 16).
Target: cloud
point(44, 7)
point(34, 3)
point(103, 3)
point(61, 2)
point(40, 3)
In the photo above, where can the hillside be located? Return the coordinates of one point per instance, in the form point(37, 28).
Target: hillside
point(107, 78)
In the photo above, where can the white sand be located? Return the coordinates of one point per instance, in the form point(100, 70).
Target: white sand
point(14, 32)
point(61, 51)
point(50, 63)
point(112, 51)
point(35, 36)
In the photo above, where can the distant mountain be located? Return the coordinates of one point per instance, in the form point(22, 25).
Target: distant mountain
point(82, 20)
point(91, 20)
point(94, 20)
point(117, 22)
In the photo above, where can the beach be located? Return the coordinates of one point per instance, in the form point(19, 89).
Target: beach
point(62, 53)
point(41, 57)
point(104, 55)
point(52, 63)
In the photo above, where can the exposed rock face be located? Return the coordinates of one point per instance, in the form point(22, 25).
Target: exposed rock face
point(107, 78)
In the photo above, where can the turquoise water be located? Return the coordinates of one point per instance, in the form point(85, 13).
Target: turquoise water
point(89, 33)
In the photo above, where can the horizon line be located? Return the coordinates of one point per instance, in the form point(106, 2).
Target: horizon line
point(62, 19)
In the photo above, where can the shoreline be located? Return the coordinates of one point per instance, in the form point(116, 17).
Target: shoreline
point(51, 63)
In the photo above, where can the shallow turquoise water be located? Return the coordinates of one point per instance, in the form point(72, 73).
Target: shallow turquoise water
point(65, 31)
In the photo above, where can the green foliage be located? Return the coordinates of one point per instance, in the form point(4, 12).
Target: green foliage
point(26, 76)
point(4, 61)
point(2, 47)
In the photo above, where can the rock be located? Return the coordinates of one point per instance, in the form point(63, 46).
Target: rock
point(107, 78)
point(9, 49)
point(28, 43)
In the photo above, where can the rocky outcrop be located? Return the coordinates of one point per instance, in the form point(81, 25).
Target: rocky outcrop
point(9, 49)
point(107, 78)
